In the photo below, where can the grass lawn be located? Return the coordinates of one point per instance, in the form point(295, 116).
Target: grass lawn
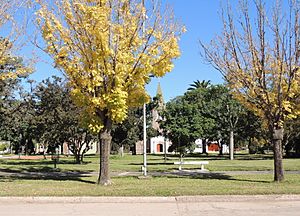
point(156, 186)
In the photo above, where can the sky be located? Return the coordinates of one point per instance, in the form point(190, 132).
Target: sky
point(202, 22)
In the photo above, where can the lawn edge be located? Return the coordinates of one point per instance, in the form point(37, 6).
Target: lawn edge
point(150, 199)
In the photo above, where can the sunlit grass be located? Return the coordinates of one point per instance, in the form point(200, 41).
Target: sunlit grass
point(155, 186)
point(171, 185)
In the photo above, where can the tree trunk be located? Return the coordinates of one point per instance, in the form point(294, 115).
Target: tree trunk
point(204, 146)
point(81, 157)
point(180, 157)
point(105, 145)
point(251, 146)
point(133, 149)
point(277, 147)
point(121, 151)
point(231, 145)
point(221, 147)
point(77, 158)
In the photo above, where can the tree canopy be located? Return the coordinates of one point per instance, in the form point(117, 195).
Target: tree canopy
point(108, 50)
point(209, 113)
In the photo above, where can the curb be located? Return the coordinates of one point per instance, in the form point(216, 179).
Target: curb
point(239, 198)
point(22, 200)
point(178, 199)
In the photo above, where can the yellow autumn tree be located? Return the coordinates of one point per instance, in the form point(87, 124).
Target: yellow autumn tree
point(259, 56)
point(8, 10)
point(108, 49)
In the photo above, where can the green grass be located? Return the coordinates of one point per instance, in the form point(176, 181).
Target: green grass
point(154, 162)
point(156, 186)
point(199, 184)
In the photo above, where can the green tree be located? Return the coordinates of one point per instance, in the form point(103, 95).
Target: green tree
point(127, 133)
point(251, 132)
point(20, 125)
point(292, 137)
point(226, 111)
point(12, 125)
point(183, 123)
point(58, 118)
point(12, 71)
point(215, 102)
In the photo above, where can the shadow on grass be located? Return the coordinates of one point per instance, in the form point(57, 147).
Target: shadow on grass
point(151, 163)
point(213, 176)
point(237, 156)
point(43, 173)
point(21, 162)
point(55, 178)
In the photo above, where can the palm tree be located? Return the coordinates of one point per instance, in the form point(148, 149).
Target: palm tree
point(199, 84)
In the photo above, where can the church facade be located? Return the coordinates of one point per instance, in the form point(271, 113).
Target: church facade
point(158, 144)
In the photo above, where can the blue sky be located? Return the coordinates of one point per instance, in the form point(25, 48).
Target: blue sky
point(202, 23)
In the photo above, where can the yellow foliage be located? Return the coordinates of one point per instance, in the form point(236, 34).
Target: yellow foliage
point(6, 58)
point(107, 53)
point(272, 94)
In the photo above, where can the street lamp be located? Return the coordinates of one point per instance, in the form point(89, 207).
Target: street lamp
point(144, 114)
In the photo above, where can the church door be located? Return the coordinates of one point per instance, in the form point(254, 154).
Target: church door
point(159, 148)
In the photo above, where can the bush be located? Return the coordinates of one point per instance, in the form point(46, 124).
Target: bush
point(3, 146)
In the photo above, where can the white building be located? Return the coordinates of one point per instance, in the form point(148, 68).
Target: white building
point(199, 146)
point(159, 145)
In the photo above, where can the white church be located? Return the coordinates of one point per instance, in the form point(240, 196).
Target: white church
point(159, 144)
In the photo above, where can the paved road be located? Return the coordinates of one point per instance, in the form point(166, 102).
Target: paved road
point(148, 206)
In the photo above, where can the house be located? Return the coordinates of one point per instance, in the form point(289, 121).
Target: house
point(211, 147)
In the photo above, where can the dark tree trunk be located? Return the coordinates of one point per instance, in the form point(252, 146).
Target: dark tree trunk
point(277, 147)
point(105, 145)
point(81, 157)
point(251, 147)
point(204, 146)
point(133, 149)
point(221, 147)
point(77, 158)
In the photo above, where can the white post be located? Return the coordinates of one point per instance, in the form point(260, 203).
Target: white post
point(231, 145)
point(165, 150)
point(145, 141)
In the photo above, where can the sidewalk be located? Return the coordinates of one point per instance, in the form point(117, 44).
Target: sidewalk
point(148, 206)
